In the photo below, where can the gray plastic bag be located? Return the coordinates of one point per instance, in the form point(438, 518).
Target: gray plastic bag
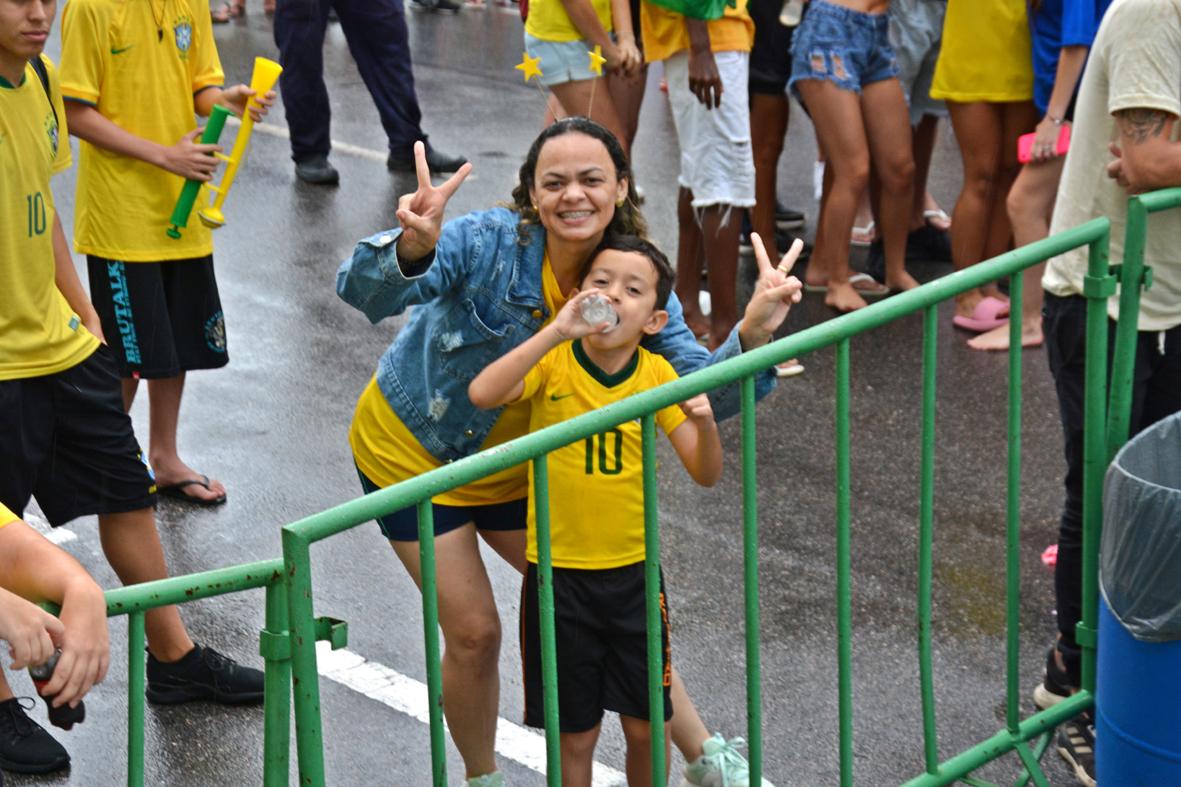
point(1140, 552)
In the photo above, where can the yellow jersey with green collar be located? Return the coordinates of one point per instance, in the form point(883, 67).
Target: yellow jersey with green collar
point(6, 516)
point(140, 63)
point(39, 333)
point(596, 487)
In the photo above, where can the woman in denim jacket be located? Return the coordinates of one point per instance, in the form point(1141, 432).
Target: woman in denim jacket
point(481, 285)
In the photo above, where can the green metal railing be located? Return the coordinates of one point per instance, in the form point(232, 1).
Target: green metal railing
point(288, 642)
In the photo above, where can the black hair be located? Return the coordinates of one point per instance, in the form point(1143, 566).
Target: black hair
point(665, 275)
point(627, 219)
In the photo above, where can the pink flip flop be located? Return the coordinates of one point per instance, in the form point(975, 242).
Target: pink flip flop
point(986, 316)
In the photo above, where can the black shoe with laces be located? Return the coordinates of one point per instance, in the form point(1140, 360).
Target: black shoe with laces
point(25, 746)
point(437, 162)
point(203, 674)
point(317, 171)
point(1076, 743)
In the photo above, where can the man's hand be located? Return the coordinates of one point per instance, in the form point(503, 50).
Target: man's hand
point(774, 293)
point(698, 409)
point(237, 99)
point(1115, 167)
point(421, 214)
point(85, 645)
point(191, 159)
point(29, 630)
point(704, 80)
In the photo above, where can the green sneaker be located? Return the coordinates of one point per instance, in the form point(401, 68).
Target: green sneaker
point(720, 765)
point(494, 779)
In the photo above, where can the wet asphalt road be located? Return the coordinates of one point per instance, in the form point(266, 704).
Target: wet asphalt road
point(272, 426)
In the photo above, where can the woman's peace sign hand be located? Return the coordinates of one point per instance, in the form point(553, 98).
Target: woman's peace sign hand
point(421, 214)
point(774, 293)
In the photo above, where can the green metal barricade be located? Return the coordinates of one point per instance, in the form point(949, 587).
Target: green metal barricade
point(1027, 737)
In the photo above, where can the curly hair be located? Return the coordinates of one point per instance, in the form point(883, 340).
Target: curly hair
point(627, 219)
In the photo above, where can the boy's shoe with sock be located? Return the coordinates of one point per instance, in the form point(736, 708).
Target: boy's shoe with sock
point(1055, 685)
point(494, 779)
point(1076, 744)
point(25, 746)
point(720, 765)
point(203, 674)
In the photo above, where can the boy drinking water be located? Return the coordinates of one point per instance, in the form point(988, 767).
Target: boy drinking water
point(570, 367)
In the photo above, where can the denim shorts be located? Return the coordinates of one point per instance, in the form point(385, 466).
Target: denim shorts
point(561, 61)
point(849, 48)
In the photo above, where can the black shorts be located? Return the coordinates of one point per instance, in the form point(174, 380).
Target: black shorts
point(159, 318)
point(770, 56)
point(600, 625)
point(68, 442)
point(402, 525)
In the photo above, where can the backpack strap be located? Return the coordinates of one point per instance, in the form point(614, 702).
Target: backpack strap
point(43, 74)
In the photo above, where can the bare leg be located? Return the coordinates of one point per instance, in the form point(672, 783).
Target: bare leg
point(164, 396)
point(578, 756)
point(890, 148)
point(979, 128)
point(628, 95)
point(922, 149)
point(471, 634)
point(688, 730)
point(638, 734)
point(575, 98)
point(132, 546)
point(836, 114)
point(720, 227)
point(768, 125)
point(1030, 206)
point(689, 264)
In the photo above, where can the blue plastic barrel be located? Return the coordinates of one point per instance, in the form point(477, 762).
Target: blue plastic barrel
point(1138, 708)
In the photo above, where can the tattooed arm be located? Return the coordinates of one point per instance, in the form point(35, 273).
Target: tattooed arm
point(1145, 156)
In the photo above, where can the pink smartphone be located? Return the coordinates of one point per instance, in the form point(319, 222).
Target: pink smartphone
point(1025, 144)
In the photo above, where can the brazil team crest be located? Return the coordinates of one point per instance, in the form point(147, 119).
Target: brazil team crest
point(182, 33)
point(51, 131)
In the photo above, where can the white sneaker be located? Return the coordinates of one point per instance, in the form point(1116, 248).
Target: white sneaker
point(720, 765)
point(494, 779)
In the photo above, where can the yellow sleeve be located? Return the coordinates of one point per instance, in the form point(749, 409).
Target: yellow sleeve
point(84, 50)
point(6, 516)
point(63, 159)
point(204, 63)
point(672, 416)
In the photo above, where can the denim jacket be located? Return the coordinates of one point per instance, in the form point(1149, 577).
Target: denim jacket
point(478, 296)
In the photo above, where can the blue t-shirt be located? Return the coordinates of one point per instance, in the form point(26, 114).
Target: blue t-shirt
point(1054, 25)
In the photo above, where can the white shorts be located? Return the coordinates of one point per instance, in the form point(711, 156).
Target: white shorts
point(716, 160)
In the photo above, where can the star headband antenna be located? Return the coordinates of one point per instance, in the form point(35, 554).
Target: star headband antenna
point(530, 67)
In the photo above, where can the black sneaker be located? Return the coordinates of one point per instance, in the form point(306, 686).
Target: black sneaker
point(317, 171)
point(25, 746)
point(788, 219)
point(437, 162)
point(1076, 744)
point(1056, 684)
point(928, 244)
point(203, 674)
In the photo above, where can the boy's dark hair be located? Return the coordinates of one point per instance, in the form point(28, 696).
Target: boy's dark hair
point(665, 275)
point(627, 219)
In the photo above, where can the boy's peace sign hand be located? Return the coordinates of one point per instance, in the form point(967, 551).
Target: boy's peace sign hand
point(421, 214)
point(774, 293)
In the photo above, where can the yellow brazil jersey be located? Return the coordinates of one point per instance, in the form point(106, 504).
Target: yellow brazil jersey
point(39, 333)
point(6, 516)
point(549, 21)
point(387, 452)
point(139, 62)
point(665, 34)
point(596, 488)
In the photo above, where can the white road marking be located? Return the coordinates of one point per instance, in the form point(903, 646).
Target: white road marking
point(409, 696)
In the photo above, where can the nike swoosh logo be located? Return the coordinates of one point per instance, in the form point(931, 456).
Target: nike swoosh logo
point(119, 51)
point(555, 397)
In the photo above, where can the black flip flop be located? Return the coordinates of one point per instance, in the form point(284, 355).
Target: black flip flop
point(177, 492)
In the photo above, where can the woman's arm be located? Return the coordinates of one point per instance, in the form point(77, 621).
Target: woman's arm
point(1070, 67)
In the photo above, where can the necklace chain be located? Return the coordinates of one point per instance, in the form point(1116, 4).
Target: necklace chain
point(159, 18)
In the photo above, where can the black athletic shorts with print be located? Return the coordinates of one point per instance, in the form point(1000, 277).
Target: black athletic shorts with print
point(600, 625)
point(770, 55)
point(68, 442)
point(159, 318)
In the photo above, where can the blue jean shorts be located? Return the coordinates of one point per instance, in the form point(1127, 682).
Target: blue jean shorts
point(561, 61)
point(849, 48)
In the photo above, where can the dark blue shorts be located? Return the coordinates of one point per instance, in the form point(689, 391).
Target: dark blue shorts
point(402, 525)
point(849, 48)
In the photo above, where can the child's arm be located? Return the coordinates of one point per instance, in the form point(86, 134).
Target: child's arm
point(65, 276)
point(625, 35)
point(187, 158)
point(697, 443)
point(235, 98)
point(503, 380)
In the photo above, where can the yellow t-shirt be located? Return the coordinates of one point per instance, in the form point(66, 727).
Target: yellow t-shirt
point(986, 54)
point(140, 63)
point(596, 487)
point(549, 21)
point(6, 516)
point(665, 34)
point(39, 333)
point(387, 452)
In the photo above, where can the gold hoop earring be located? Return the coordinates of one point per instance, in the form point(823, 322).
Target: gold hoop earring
point(621, 202)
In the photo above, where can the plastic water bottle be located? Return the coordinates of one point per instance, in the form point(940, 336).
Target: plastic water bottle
point(791, 13)
point(65, 716)
point(597, 309)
